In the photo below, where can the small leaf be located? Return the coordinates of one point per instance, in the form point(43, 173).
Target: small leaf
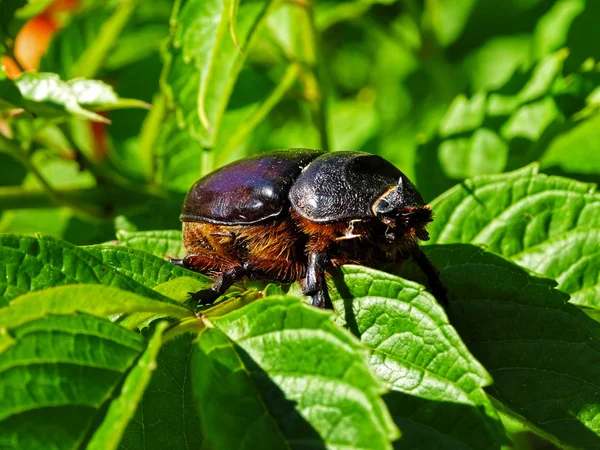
point(99, 95)
point(303, 381)
point(547, 224)
point(46, 95)
point(577, 152)
point(464, 115)
point(542, 352)
point(421, 356)
point(121, 410)
point(448, 18)
point(179, 288)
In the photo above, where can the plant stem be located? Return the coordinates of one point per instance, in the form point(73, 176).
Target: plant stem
point(89, 63)
point(23, 198)
point(314, 82)
point(207, 161)
point(150, 129)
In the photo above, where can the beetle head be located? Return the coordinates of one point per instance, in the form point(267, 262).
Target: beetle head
point(403, 210)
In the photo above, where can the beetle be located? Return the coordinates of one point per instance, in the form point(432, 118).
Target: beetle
point(289, 215)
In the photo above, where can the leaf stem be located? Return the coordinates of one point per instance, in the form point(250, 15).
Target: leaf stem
point(149, 133)
point(88, 65)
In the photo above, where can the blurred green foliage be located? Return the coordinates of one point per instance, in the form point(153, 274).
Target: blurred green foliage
point(447, 90)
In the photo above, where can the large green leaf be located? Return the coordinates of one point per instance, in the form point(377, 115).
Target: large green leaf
point(279, 374)
point(542, 352)
point(438, 384)
point(146, 269)
point(58, 376)
point(546, 223)
point(167, 417)
point(204, 60)
point(30, 264)
point(95, 300)
point(109, 433)
point(161, 243)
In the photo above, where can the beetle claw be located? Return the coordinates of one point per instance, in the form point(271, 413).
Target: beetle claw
point(204, 297)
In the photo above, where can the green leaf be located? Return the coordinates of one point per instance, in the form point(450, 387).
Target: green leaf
point(179, 288)
point(46, 95)
point(531, 120)
point(167, 417)
point(448, 18)
point(330, 12)
point(507, 128)
point(204, 61)
point(546, 223)
point(304, 382)
point(464, 115)
point(144, 268)
point(121, 410)
point(96, 300)
point(482, 152)
point(178, 157)
point(421, 356)
point(161, 243)
point(542, 352)
point(551, 32)
point(491, 65)
point(31, 264)
point(576, 152)
point(99, 95)
point(59, 376)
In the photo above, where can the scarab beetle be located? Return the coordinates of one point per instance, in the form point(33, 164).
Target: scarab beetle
point(289, 215)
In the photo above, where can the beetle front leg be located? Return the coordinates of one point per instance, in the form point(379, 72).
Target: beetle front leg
point(221, 284)
point(315, 284)
point(230, 272)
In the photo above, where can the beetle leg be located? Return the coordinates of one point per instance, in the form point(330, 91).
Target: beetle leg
point(433, 276)
point(315, 285)
point(221, 284)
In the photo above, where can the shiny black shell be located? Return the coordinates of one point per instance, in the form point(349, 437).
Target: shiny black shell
point(345, 185)
point(247, 191)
